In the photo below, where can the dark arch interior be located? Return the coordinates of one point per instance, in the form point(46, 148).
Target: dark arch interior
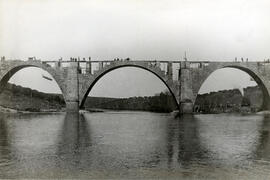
point(266, 98)
point(109, 70)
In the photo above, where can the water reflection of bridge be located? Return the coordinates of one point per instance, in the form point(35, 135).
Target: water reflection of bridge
point(180, 143)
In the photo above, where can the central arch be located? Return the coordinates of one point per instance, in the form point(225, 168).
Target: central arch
point(156, 73)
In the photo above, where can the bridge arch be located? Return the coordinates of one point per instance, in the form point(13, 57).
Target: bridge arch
point(156, 71)
point(13, 67)
point(258, 77)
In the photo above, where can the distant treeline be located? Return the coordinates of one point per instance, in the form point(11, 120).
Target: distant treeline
point(230, 101)
point(162, 102)
point(26, 99)
point(21, 98)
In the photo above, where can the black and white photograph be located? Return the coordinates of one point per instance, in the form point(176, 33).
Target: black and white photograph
point(135, 89)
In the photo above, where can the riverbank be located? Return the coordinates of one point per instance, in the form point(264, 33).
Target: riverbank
point(10, 110)
point(26, 99)
point(263, 112)
point(19, 98)
point(7, 110)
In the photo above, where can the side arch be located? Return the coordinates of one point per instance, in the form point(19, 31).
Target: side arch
point(261, 82)
point(6, 74)
point(168, 83)
point(253, 72)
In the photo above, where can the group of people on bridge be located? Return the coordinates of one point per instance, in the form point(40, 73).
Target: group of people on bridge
point(117, 59)
point(242, 59)
point(77, 59)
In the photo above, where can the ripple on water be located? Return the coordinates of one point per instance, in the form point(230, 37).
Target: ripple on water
point(134, 145)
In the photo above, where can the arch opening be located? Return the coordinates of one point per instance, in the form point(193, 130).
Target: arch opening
point(30, 88)
point(246, 92)
point(128, 68)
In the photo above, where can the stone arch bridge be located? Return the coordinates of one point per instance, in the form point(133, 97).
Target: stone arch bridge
point(183, 78)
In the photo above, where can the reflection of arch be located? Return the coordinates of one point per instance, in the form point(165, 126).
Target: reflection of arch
point(11, 70)
point(254, 73)
point(102, 73)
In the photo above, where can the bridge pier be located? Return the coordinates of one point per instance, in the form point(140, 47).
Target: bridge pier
point(186, 92)
point(72, 88)
point(72, 106)
point(186, 108)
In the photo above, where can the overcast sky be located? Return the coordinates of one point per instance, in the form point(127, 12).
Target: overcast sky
point(139, 29)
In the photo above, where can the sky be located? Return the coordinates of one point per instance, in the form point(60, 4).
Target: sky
point(214, 30)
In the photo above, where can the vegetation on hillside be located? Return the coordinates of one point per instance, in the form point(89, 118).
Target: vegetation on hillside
point(26, 99)
point(162, 102)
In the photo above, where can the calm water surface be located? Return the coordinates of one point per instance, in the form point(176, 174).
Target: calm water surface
point(134, 145)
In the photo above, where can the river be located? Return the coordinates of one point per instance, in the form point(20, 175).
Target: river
point(128, 144)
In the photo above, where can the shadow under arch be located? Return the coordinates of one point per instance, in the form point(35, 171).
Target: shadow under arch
point(12, 71)
point(123, 66)
point(257, 79)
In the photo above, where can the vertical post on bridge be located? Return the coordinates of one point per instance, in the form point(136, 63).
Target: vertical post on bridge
point(100, 65)
point(88, 67)
point(170, 70)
